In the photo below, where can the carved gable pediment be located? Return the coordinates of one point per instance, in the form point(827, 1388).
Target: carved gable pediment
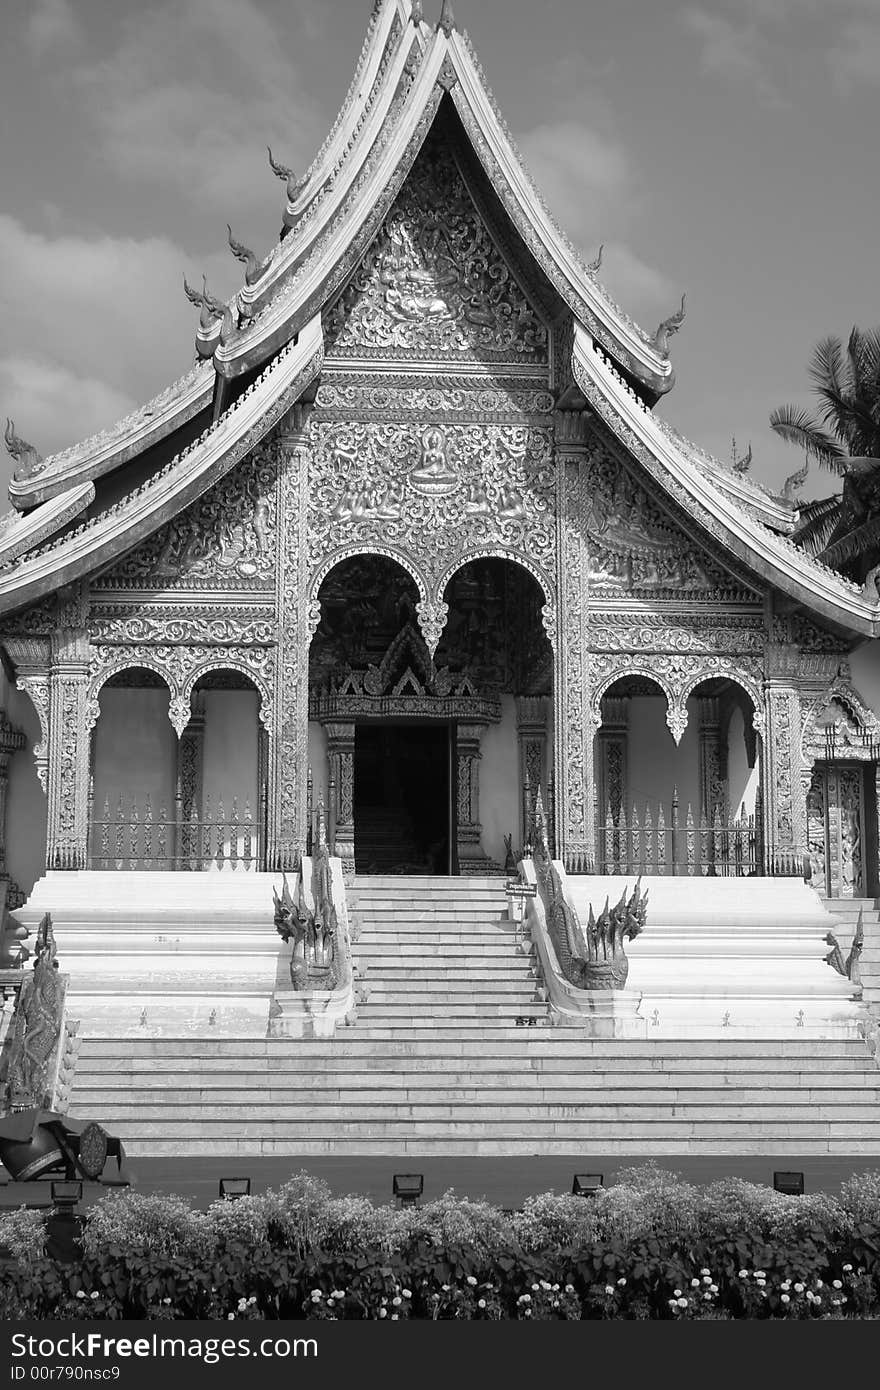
point(635, 544)
point(434, 282)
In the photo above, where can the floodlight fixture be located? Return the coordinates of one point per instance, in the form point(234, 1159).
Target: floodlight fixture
point(233, 1188)
point(587, 1184)
point(408, 1188)
point(790, 1184)
point(66, 1194)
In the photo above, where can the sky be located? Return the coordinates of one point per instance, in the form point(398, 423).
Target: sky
point(727, 149)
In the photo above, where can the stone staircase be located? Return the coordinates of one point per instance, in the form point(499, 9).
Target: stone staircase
point(847, 910)
point(437, 1064)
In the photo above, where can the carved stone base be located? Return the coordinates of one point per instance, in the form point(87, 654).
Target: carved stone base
point(606, 1013)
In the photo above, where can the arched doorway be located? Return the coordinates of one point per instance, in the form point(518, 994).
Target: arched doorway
point(424, 763)
point(689, 807)
point(842, 754)
point(162, 803)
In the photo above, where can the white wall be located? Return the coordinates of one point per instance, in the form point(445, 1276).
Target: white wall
point(500, 794)
point(743, 780)
point(865, 666)
point(26, 809)
point(135, 751)
point(655, 765)
point(231, 751)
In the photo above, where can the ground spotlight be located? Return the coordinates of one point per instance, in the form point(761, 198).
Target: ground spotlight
point(587, 1184)
point(408, 1188)
point(791, 1184)
point(231, 1188)
point(66, 1195)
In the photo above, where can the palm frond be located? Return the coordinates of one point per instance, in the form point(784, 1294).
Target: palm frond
point(861, 543)
point(797, 426)
point(816, 522)
point(827, 366)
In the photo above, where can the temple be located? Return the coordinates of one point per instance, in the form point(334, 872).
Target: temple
point(410, 551)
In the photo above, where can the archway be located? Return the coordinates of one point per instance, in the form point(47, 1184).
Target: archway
point(23, 808)
point(221, 775)
point(686, 807)
point(133, 764)
point(841, 758)
point(382, 724)
point(495, 640)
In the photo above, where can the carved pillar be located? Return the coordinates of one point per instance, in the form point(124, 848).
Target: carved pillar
point(69, 745)
point(471, 858)
point(32, 658)
point(287, 771)
point(573, 727)
point(340, 756)
point(531, 730)
point(784, 802)
point(11, 741)
point(188, 784)
point(612, 773)
point(713, 759)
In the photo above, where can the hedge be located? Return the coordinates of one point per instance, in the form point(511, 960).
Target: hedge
point(650, 1246)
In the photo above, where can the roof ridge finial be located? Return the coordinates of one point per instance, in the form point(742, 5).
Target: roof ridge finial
point(417, 12)
point(447, 18)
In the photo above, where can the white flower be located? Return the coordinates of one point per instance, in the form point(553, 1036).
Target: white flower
point(707, 1278)
point(621, 1283)
point(707, 1298)
point(705, 1271)
point(383, 1312)
point(798, 1288)
point(445, 1288)
point(395, 1317)
point(759, 1274)
point(743, 1274)
point(817, 1300)
point(545, 1286)
point(785, 1298)
point(682, 1303)
point(837, 1284)
point(396, 1302)
point(786, 1284)
point(405, 1292)
point(481, 1303)
point(527, 1313)
point(847, 1269)
point(95, 1294)
point(819, 1284)
point(230, 1317)
point(676, 1293)
point(536, 1288)
point(80, 1293)
point(695, 1283)
point(569, 1288)
point(526, 1298)
point(472, 1281)
point(609, 1288)
point(713, 1288)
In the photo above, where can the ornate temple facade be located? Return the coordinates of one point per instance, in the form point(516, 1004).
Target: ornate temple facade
point(414, 540)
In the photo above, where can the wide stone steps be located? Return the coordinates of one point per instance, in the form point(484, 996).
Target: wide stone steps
point(435, 1063)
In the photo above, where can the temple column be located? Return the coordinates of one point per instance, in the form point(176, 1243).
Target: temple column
point(340, 756)
point(11, 741)
point(713, 770)
point(531, 731)
point(612, 778)
point(573, 727)
point(784, 801)
point(69, 746)
point(287, 764)
point(188, 783)
point(471, 857)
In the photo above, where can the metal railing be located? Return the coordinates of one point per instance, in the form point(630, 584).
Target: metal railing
point(132, 835)
point(669, 842)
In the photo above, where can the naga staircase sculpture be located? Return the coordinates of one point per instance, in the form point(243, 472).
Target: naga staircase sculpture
point(591, 959)
point(37, 1062)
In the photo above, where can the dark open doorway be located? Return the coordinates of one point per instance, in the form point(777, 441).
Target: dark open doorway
point(403, 798)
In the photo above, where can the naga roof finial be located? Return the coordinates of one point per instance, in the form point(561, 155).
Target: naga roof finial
point(25, 455)
point(447, 18)
point(741, 465)
point(244, 254)
point(212, 309)
point(795, 481)
point(282, 171)
point(595, 266)
point(667, 328)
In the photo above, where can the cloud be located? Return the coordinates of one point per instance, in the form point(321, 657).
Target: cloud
point(856, 56)
point(51, 25)
point(737, 54)
point(100, 325)
point(194, 92)
point(589, 183)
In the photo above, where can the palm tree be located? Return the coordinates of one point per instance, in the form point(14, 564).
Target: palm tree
point(844, 529)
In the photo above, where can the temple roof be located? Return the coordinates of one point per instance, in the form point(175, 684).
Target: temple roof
point(271, 335)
